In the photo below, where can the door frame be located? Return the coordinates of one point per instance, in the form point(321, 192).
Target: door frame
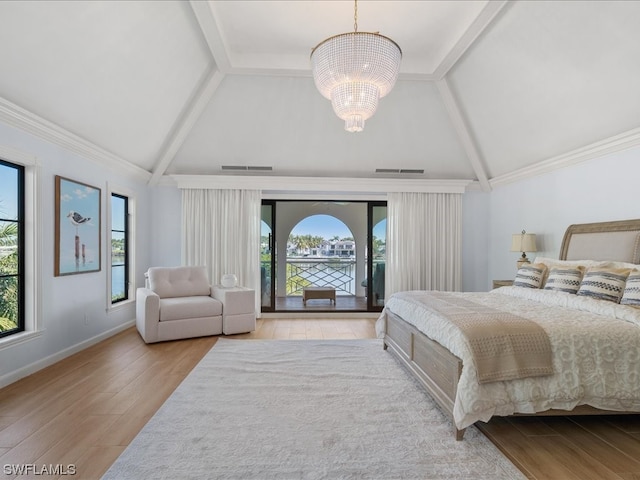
point(371, 204)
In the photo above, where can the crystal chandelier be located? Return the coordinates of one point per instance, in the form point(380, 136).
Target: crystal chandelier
point(354, 70)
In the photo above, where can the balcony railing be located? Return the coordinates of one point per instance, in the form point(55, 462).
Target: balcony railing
point(324, 272)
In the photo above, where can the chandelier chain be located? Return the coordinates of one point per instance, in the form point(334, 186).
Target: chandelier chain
point(354, 70)
point(355, 15)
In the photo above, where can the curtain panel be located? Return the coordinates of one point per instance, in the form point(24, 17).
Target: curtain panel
point(424, 241)
point(221, 230)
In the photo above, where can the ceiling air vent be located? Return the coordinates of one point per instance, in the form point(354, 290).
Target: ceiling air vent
point(246, 168)
point(233, 167)
point(405, 171)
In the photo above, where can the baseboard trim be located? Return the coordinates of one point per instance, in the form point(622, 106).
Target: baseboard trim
point(32, 368)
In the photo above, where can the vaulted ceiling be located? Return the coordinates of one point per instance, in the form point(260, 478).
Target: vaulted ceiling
point(489, 91)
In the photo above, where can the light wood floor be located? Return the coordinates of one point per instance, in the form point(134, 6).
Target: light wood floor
point(86, 409)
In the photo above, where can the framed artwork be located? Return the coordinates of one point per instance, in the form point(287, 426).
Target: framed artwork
point(77, 235)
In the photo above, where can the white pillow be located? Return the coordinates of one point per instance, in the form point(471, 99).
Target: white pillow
point(555, 263)
point(631, 266)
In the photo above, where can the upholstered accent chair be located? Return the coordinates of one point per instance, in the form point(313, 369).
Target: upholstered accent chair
point(176, 303)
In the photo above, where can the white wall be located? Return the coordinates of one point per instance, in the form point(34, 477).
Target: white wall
point(602, 189)
point(66, 301)
point(598, 190)
point(475, 248)
point(165, 226)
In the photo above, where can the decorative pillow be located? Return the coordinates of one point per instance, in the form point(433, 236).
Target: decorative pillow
point(564, 279)
point(604, 284)
point(530, 275)
point(631, 295)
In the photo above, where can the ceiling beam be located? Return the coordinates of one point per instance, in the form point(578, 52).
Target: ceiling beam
point(463, 131)
point(207, 20)
point(479, 25)
point(186, 123)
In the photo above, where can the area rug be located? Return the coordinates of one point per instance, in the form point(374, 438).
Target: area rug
point(304, 409)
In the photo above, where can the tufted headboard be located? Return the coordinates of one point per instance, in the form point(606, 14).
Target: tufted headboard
point(614, 241)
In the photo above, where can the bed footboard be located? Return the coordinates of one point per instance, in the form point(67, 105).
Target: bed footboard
point(437, 369)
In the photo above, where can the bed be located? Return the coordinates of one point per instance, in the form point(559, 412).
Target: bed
point(591, 342)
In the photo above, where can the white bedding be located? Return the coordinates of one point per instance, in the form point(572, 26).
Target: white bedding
point(595, 344)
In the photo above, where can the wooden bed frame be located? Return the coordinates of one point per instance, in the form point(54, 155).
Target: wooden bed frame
point(438, 370)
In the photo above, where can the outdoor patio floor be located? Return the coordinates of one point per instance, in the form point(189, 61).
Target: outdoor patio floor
point(344, 303)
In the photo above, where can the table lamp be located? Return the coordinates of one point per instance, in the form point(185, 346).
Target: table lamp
point(523, 242)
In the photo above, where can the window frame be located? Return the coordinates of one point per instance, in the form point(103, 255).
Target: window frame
point(129, 247)
point(19, 221)
point(32, 247)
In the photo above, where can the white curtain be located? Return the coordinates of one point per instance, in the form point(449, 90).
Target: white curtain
point(424, 241)
point(221, 230)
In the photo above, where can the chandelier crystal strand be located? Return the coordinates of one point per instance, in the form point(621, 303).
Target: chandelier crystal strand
point(354, 70)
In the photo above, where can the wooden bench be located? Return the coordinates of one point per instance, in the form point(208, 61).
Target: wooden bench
point(309, 293)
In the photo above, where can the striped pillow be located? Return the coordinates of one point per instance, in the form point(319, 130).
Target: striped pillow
point(604, 284)
point(631, 295)
point(530, 275)
point(565, 279)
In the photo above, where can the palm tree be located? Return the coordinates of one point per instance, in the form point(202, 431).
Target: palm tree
point(378, 245)
point(8, 234)
point(302, 242)
point(9, 268)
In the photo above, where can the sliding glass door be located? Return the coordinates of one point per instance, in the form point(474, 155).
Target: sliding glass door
point(329, 246)
point(377, 254)
point(267, 255)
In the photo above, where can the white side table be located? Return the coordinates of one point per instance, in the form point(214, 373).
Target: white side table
point(238, 309)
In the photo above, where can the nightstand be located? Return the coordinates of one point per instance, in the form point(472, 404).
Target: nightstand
point(502, 283)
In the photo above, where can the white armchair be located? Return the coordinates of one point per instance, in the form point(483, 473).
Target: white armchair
point(178, 303)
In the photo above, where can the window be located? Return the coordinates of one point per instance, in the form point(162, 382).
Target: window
point(12, 251)
point(119, 248)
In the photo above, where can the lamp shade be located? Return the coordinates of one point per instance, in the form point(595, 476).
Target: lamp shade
point(523, 242)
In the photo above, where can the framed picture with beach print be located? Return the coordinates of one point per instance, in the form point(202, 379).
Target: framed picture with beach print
point(77, 235)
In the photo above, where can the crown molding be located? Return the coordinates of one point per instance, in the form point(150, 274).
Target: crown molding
point(206, 16)
point(614, 144)
point(18, 156)
point(28, 122)
point(319, 185)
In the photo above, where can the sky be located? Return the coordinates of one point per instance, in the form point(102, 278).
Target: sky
point(8, 193)
point(322, 226)
point(328, 227)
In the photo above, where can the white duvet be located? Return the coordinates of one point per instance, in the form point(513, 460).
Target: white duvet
point(595, 344)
